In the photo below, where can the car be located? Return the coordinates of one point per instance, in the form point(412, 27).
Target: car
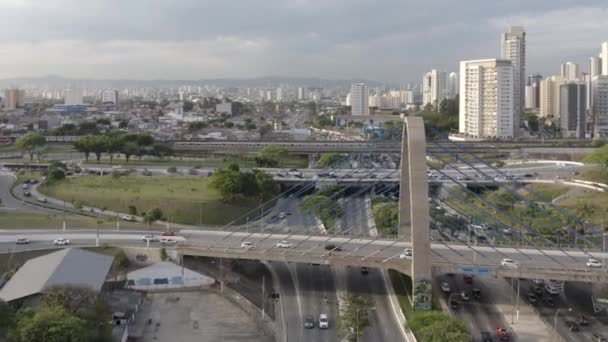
point(364, 270)
point(27, 194)
point(445, 287)
point(598, 338)
point(149, 238)
point(549, 301)
point(193, 172)
point(25, 186)
point(33, 181)
point(333, 248)
point(538, 281)
point(128, 218)
point(465, 296)
point(582, 321)
point(22, 241)
point(168, 233)
point(477, 294)
point(282, 215)
point(532, 298)
point(508, 263)
point(168, 241)
point(309, 322)
point(61, 242)
point(468, 279)
point(572, 326)
point(323, 321)
point(293, 170)
point(551, 290)
point(42, 199)
point(503, 334)
point(486, 336)
point(146, 172)
point(406, 254)
point(284, 244)
point(247, 244)
point(538, 289)
point(593, 263)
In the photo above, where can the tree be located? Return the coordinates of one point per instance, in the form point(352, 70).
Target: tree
point(266, 187)
point(434, 326)
point(355, 317)
point(98, 145)
point(532, 121)
point(121, 261)
point(49, 323)
point(161, 150)
point(386, 214)
point(30, 143)
point(228, 182)
point(129, 148)
point(599, 156)
point(154, 215)
point(503, 199)
point(7, 314)
point(329, 159)
point(83, 145)
point(114, 144)
point(275, 154)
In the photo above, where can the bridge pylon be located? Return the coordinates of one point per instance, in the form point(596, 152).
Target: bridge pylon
point(414, 209)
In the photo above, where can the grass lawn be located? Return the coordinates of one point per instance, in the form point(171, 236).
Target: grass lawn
point(545, 192)
point(596, 174)
point(16, 220)
point(186, 200)
point(596, 204)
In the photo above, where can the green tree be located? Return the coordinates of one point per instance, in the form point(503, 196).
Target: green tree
point(355, 317)
point(532, 121)
point(48, 324)
point(114, 144)
point(434, 326)
point(98, 145)
point(7, 314)
point(129, 148)
point(503, 199)
point(274, 153)
point(30, 143)
point(154, 215)
point(598, 156)
point(386, 214)
point(121, 261)
point(329, 159)
point(83, 145)
point(266, 187)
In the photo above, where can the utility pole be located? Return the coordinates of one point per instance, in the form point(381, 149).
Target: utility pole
point(263, 295)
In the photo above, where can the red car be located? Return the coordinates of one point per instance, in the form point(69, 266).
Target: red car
point(168, 233)
point(468, 279)
point(502, 334)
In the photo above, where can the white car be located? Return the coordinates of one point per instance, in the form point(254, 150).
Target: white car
point(247, 244)
point(168, 241)
point(593, 263)
point(149, 238)
point(284, 244)
point(406, 254)
point(22, 241)
point(465, 296)
point(282, 215)
point(508, 263)
point(42, 199)
point(445, 287)
point(323, 321)
point(128, 218)
point(61, 242)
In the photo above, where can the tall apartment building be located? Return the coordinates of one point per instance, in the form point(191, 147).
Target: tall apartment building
point(453, 82)
point(434, 87)
point(359, 99)
point(570, 71)
point(604, 56)
point(279, 94)
point(573, 107)
point(109, 96)
point(532, 94)
point(513, 48)
point(486, 99)
point(13, 98)
point(550, 96)
point(301, 93)
point(595, 66)
point(599, 105)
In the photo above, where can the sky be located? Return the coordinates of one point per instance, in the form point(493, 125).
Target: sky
point(384, 40)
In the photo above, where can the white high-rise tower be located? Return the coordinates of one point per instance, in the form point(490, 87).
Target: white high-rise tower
point(434, 87)
point(513, 48)
point(604, 55)
point(359, 99)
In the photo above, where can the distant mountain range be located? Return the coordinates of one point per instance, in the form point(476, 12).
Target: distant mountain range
point(55, 81)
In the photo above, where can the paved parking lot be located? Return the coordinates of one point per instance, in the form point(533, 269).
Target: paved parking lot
point(196, 316)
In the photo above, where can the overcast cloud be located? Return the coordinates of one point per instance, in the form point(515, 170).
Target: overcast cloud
point(393, 40)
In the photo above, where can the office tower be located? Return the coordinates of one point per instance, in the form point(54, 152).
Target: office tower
point(453, 84)
point(347, 101)
point(599, 106)
point(13, 98)
point(513, 48)
point(73, 96)
point(595, 66)
point(301, 93)
point(268, 95)
point(604, 57)
point(109, 96)
point(359, 99)
point(279, 95)
point(570, 71)
point(549, 96)
point(434, 87)
point(573, 103)
point(486, 99)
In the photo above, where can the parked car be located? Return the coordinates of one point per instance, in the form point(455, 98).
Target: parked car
point(61, 242)
point(332, 247)
point(532, 298)
point(323, 321)
point(42, 199)
point(465, 296)
point(309, 322)
point(27, 194)
point(284, 244)
point(22, 241)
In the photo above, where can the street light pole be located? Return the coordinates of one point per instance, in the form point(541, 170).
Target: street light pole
point(555, 322)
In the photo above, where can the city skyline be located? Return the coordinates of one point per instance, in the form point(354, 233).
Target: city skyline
point(325, 39)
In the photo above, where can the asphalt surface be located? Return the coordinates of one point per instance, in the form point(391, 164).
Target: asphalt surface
point(11, 204)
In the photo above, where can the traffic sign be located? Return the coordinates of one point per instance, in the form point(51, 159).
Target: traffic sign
point(476, 270)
